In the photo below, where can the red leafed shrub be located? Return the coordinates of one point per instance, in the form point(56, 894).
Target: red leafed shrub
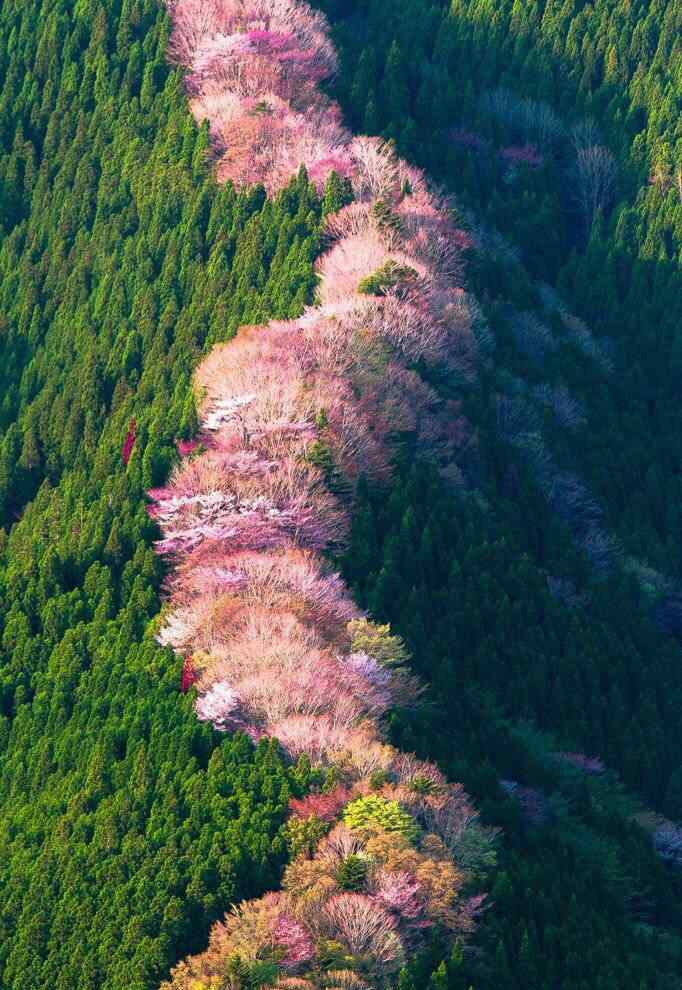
point(129, 441)
point(324, 806)
point(186, 447)
point(189, 676)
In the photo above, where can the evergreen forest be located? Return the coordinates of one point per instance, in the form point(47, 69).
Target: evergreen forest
point(533, 583)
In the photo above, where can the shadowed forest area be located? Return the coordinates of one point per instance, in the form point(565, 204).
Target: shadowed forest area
point(468, 585)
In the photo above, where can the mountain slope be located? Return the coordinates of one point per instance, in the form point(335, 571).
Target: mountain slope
point(127, 827)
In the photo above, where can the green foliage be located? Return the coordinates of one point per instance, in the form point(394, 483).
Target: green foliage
point(338, 192)
point(385, 217)
point(250, 975)
point(466, 582)
point(334, 956)
point(389, 276)
point(373, 811)
point(351, 873)
point(377, 779)
point(126, 826)
point(303, 834)
point(422, 785)
point(378, 642)
point(320, 455)
point(466, 591)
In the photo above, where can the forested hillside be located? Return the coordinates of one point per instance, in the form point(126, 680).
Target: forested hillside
point(545, 117)
point(536, 584)
point(126, 824)
point(594, 433)
point(506, 620)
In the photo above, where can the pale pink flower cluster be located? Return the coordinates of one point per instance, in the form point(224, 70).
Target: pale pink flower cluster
point(253, 68)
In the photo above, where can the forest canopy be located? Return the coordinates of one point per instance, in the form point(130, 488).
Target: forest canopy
point(534, 590)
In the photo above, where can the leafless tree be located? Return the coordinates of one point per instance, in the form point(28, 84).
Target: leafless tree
point(585, 134)
point(595, 174)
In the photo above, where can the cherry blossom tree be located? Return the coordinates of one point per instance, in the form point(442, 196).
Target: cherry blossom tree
point(254, 72)
point(532, 800)
point(418, 776)
point(668, 841)
point(220, 706)
point(533, 339)
point(567, 410)
point(531, 120)
point(401, 894)
point(294, 941)
point(349, 221)
point(603, 549)
point(193, 22)
point(468, 139)
point(579, 334)
point(377, 174)
point(407, 326)
point(366, 929)
point(525, 154)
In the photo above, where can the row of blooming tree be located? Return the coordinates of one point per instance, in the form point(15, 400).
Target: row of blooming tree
point(386, 851)
point(253, 70)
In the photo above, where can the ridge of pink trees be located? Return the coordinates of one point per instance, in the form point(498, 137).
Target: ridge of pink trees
point(291, 415)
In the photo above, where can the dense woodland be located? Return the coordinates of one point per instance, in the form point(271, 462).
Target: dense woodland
point(424, 74)
point(127, 826)
point(468, 586)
